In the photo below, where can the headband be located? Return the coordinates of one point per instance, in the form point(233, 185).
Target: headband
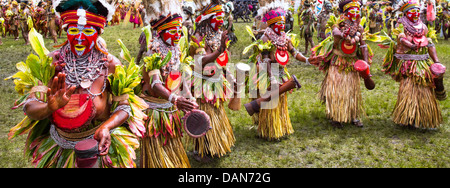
point(274, 16)
point(351, 4)
point(83, 17)
point(210, 10)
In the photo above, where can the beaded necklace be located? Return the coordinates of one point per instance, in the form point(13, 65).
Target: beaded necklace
point(414, 29)
point(83, 71)
point(277, 40)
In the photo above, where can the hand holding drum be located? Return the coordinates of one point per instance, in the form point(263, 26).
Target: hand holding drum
point(255, 106)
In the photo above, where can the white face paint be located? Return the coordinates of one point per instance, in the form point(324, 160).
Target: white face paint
point(169, 41)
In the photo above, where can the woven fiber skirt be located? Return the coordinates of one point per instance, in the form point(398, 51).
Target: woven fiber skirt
point(341, 94)
point(162, 146)
point(416, 106)
point(274, 123)
point(218, 140)
point(156, 154)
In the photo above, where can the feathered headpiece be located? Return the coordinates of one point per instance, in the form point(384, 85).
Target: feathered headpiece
point(207, 8)
point(155, 9)
point(189, 7)
point(163, 14)
point(405, 5)
point(346, 4)
point(82, 12)
point(272, 11)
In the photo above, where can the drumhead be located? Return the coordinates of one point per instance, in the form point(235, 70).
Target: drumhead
point(196, 123)
point(243, 67)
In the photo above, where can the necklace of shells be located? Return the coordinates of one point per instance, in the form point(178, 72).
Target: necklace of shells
point(83, 71)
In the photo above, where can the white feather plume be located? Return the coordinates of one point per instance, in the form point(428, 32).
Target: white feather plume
point(155, 9)
point(283, 4)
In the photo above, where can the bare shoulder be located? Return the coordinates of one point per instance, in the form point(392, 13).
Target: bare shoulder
point(264, 38)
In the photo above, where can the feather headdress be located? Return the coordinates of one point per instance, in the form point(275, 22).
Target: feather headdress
point(273, 10)
point(155, 9)
point(99, 7)
point(405, 5)
point(207, 8)
point(163, 14)
point(82, 12)
point(346, 4)
point(267, 5)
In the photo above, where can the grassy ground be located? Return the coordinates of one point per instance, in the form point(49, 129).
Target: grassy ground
point(314, 144)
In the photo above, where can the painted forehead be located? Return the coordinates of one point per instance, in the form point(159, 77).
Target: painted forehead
point(219, 14)
point(81, 27)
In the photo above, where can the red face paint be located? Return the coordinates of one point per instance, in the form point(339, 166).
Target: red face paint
point(217, 21)
point(353, 14)
point(279, 27)
point(413, 14)
point(81, 38)
point(172, 35)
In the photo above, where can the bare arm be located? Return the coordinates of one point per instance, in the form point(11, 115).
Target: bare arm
point(294, 52)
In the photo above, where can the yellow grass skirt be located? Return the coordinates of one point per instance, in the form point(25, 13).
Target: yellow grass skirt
point(274, 123)
point(341, 94)
point(416, 105)
point(219, 140)
point(154, 154)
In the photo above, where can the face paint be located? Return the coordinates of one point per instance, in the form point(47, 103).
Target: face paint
point(413, 14)
point(353, 14)
point(217, 21)
point(81, 38)
point(172, 35)
point(376, 7)
point(279, 27)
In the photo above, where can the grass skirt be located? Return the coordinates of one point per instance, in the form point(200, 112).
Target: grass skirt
point(341, 94)
point(154, 154)
point(218, 140)
point(46, 153)
point(162, 147)
point(416, 105)
point(274, 123)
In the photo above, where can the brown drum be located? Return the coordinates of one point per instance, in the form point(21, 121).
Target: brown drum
point(86, 152)
point(196, 123)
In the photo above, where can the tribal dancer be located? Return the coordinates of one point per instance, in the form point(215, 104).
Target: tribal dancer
point(72, 105)
point(211, 88)
point(2, 24)
point(273, 123)
point(322, 20)
point(162, 146)
point(347, 59)
point(25, 26)
point(375, 18)
point(134, 15)
point(14, 20)
point(307, 29)
point(413, 62)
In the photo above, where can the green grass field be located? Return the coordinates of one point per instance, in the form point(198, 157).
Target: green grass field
point(315, 144)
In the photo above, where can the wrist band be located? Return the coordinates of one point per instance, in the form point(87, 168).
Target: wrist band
point(156, 82)
point(124, 107)
point(27, 101)
point(172, 96)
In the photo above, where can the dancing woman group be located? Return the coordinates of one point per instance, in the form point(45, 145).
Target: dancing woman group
point(80, 94)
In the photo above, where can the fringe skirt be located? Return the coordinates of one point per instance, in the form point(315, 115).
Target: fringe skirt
point(218, 140)
point(341, 94)
point(274, 123)
point(416, 106)
point(156, 154)
point(162, 147)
